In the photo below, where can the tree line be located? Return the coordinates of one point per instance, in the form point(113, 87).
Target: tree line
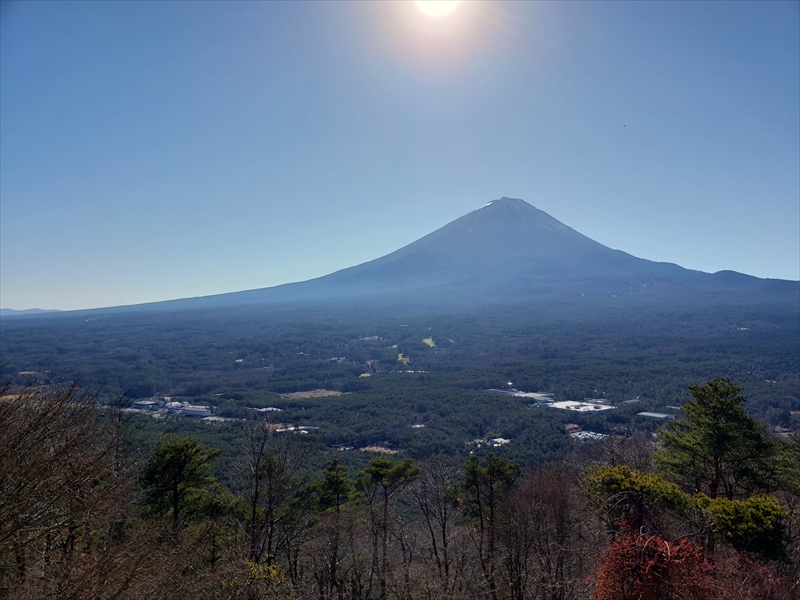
point(709, 508)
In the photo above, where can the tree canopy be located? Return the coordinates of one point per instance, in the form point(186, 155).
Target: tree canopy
point(718, 449)
point(176, 467)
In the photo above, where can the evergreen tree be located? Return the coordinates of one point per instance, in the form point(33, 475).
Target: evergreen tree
point(718, 449)
point(380, 481)
point(335, 487)
point(177, 466)
point(331, 493)
point(484, 487)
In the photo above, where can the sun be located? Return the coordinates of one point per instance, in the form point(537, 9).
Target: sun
point(437, 8)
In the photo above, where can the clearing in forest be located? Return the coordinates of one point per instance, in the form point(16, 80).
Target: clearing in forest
point(310, 394)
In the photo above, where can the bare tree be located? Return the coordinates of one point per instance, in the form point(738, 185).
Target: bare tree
point(548, 536)
point(436, 495)
point(271, 470)
point(64, 494)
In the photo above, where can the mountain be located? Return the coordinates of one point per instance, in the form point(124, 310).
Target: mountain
point(10, 312)
point(507, 250)
point(506, 243)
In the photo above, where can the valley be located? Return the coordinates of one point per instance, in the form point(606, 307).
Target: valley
point(232, 360)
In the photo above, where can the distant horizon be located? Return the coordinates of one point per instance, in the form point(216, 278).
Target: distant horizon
point(161, 150)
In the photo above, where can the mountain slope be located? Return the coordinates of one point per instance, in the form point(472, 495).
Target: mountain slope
point(504, 241)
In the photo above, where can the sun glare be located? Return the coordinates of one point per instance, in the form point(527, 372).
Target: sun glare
point(437, 8)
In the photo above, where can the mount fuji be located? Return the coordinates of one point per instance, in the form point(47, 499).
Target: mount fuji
point(505, 251)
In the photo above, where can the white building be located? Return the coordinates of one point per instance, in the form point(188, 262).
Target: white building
point(196, 411)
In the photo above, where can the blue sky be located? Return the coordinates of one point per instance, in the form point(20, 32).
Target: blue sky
point(155, 150)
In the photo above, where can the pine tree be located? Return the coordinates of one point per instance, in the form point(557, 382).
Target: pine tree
point(176, 467)
point(718, 449)
point(381, 480)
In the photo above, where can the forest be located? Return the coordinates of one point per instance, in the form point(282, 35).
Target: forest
point(394, 368)
point(90, 508)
